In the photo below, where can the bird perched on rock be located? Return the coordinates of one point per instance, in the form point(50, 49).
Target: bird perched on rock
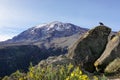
point(101, 23)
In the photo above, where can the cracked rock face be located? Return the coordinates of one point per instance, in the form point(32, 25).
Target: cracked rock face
point(109, 61)
point(90, 47)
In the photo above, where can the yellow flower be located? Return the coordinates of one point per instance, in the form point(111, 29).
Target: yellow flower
point(43, 70)
point(79, 77)
point(21, 79)
point(72, 74)
point(95, 78)
point(31, 74)
point(70, 66)
point(67, 78)
point(80, 72)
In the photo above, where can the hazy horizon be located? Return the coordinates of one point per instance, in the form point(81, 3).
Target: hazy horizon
point(19, 15)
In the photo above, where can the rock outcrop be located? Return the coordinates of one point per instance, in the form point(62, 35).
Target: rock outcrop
point(56, 60)
point(109, 61)
point(90, 47)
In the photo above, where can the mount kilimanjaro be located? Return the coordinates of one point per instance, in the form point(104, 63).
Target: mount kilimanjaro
point(48, 31)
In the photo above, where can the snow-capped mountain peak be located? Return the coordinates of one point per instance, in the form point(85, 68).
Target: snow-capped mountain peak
point(51, 30)
point(51, 25)
point(56, 25)
point(41, 25)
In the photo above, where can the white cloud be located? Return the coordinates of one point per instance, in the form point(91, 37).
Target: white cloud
point(5, 37)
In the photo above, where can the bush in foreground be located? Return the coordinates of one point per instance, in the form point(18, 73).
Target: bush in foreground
point(68, 72)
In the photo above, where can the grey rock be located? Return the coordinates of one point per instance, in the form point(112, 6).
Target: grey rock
point(90, 47)
point(109, 61)
point(56, 60)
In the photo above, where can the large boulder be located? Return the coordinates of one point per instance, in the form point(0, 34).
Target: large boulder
point(90, 47)
point(109, 61)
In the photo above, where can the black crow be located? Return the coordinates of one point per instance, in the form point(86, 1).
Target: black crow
point(101, 23)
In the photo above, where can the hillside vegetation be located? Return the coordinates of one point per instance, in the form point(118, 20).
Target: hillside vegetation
point(67, 72)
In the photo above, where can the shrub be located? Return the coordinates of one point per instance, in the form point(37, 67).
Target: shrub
point(60, 72)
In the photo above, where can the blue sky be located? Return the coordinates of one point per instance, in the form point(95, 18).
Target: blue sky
point(19, 15)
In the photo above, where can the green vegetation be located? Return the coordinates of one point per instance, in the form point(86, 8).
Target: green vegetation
point(14, 58)
point(68, 72)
